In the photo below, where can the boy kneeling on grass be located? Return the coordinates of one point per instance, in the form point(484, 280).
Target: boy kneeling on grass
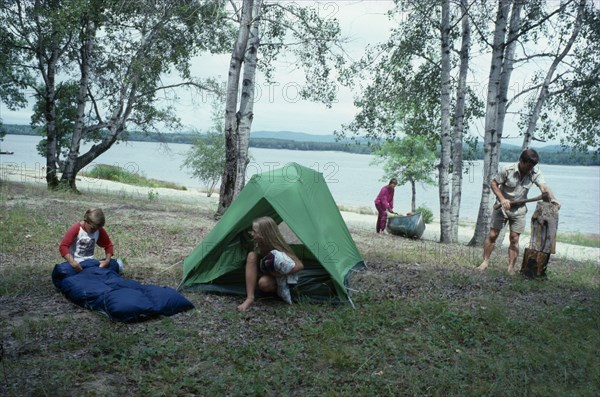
point(79, 242)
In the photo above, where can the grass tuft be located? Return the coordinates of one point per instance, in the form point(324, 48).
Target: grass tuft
point(581, 239)
point(118, 174)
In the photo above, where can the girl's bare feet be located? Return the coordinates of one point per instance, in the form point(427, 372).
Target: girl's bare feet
point(247, 303)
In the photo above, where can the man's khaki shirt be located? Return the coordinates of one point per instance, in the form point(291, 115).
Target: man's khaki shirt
point(514, 186)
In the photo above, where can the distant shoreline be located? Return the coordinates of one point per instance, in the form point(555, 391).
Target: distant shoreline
point(290, 140)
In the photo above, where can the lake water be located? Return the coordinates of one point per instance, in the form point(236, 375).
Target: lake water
point(353, 181)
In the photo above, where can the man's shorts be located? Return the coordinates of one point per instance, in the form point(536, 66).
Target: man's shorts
point(514, 216)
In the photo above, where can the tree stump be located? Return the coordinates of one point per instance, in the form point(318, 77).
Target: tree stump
point(534, 263)
point(544, 225)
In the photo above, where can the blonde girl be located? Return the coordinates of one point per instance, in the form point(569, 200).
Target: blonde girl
point(267, 237)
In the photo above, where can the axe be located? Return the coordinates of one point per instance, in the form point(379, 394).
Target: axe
point(543, 196)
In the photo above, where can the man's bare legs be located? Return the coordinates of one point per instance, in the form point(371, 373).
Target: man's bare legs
point(488, 248)
point(513, 251)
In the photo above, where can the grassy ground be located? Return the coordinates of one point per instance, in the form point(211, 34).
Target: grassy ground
point(425, 323)
point(582, 239)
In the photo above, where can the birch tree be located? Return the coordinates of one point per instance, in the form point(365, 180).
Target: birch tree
point(267, 29)
point(117, 52)
point(73, 164)
point(544, 90)
point(575, 98)
point(144, 41)
point(227, 190)
point(65, 115)
point(458, 132)
point(510, 32)
point(493, 131)
point(445, 130)
point(247, 97)
point(518, 30)
point(570, 86)
point(34, 33)
point(414, 91)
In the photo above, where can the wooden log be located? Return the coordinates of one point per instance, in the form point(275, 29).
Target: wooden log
point(534, 263)
point(544, 225)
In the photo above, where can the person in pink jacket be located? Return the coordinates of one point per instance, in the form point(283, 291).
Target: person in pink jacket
point(384, 204)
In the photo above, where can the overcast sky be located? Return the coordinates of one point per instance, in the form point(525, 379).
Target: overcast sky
point(277, 107)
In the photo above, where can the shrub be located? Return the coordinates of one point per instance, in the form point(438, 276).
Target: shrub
point(426, 213)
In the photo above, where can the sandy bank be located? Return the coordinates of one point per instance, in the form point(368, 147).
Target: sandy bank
point(465, 233)
point(198, 197)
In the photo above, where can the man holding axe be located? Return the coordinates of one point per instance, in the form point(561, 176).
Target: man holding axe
point(511, 186)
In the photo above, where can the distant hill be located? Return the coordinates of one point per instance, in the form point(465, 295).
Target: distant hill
point(17, 129)
point(292, 136)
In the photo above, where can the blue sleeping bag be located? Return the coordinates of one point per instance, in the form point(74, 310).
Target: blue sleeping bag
point(104, 290)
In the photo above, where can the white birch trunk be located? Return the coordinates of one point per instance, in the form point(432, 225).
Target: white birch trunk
point(50, 116)
point(246, 111)
point(491, 121)
point(459, 114)
point(445, 133)
point(228, 180)
point(70, 169)
point(505, 76)
point(48, 68)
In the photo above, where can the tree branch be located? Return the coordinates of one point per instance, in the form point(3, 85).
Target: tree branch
point(540, 22)
point(95, 105)
point(534, 88)
point(182, 84)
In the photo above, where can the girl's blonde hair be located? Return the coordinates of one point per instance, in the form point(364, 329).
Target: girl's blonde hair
point(267, 228)
point(95, 216)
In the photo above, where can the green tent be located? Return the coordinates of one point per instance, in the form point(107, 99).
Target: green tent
point(298, 197)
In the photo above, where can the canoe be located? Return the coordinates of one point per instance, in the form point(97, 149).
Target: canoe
point(411, 226)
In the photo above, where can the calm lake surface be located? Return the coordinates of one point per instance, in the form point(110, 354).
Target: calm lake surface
point(353, 181)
